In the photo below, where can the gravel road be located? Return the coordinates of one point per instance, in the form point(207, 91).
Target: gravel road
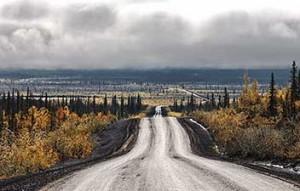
point(162, 160)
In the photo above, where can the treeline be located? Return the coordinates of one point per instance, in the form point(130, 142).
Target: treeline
point(211, 102)
point(287, 102)
point(12, 103)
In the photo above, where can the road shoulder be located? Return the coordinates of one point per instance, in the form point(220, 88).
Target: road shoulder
point(203, 144)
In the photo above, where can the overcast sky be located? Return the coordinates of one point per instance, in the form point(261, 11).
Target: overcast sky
point(140, 34)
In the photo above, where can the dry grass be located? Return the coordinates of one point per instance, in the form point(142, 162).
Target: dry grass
point(138, 116)
point(175, 114)
point(157, 101)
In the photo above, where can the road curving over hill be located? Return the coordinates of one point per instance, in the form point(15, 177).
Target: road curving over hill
point(162, 160)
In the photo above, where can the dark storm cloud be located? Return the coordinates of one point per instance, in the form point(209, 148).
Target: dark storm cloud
point(161, 40)
point(86, 36)
point(89, 18)
point(245, 40)
point(6, 28)
point(23, 10)
point(159, 27)
point(235, 40)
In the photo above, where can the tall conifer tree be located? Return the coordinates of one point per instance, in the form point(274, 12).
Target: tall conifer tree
point(272, 106)
point(293, 89)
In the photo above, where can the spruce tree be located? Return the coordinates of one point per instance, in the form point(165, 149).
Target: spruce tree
point(192, 102)
point(58, 102)
point(175, 105)
point(8, 111)
point(213, 101)
point(293, 89)
point(272, 105)
point(105, 104)
point(63, 101)
point(3, 109)
point(122, 107)
point(1, 120)
point(8, 104)
point(286, 105)
point(13, 105)
point(94, 104)
point(226, 103)
point(181, 104)
point(200, 105)
point(3, 101)
point(298, 85)
point(88, 110)
point(219, 101)
point(46, 101)
point(27, 99)
point(114, 105)
point(77, 105)
point(234, 98)
point(139, 102)
point(22, 103)
point(129, 104)
point(40, 103)
point(1, 115)
point(133, 104)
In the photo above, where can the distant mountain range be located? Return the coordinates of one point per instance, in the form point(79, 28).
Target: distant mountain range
point(205, 76)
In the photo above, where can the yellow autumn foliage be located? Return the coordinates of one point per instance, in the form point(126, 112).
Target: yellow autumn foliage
point(250, 100)
point(247, 131)
point(77, 131)
point(35, 146)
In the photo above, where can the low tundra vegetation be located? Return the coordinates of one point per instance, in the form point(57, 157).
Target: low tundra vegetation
point(40, 140)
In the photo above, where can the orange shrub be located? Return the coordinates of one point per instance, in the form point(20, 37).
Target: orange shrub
point(238, 135)
point(29, 152)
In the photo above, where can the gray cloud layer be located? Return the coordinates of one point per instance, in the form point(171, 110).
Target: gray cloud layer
point(25, 10)
point(86, 19)
point(34, 35)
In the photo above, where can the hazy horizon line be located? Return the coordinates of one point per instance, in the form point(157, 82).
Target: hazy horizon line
point(138, 69)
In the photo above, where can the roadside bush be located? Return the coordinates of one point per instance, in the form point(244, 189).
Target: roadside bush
point(238, 135)
point(224, 125)
point(76, 141)
point(260, 143)
point(294, 151)
point(32, 154)
point(27, 151)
